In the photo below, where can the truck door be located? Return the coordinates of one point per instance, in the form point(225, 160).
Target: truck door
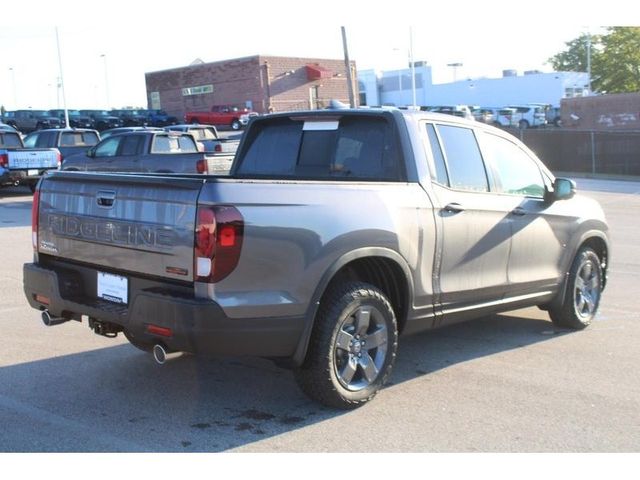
point(474, 232)
point(539, 229)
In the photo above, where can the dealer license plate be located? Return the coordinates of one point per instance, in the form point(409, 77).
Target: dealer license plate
point(32, 173)
point(113, 288)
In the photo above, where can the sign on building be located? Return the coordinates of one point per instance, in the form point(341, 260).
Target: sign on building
point(199, 90)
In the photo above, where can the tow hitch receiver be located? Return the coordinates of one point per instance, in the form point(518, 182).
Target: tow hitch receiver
point(106, 329)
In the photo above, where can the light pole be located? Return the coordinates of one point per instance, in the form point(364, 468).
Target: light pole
point(455, 69)
point(13, 83)
point(106, 79)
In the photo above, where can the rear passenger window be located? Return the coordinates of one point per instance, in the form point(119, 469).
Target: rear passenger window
point(464, 162)
point(438, 159)
point(130, 145)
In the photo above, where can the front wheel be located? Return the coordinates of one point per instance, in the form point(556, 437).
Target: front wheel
point(523, 125)
point(352, 347)
point(236, 125)
point(583, 292)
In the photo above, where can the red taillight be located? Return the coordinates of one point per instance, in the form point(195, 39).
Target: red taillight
point(4, 160)
point(202, 166)
point(35, 207)
point(160, 331)
point(59, 160)
point(218, 241)
point(218, 148)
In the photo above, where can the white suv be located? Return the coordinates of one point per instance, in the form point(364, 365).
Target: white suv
point(530, 115)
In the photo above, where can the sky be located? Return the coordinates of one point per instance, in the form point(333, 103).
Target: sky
point(106, 47)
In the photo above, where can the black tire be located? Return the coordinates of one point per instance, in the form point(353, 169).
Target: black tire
point(352, 347)
point(236, 125)
point(32, 186)
point(583, 292)
point(523, 124)
point(140, 345)
point(195, 121)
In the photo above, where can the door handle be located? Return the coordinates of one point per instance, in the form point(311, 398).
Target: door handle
point(519, 211)
point(106, 199)
point(454, 208)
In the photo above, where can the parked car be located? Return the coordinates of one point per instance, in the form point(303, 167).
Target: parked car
point(146, 151)
point(102, 119)
point(224, 115)
point(68, 141)
point(76, 119)
point(530, 115)
point(505, 117)
point(332, 235)
point(115, 131)
point(20, 165)
point(160, 118)
point(31, 120)
point(207, 135)
point(461, 111)
point(482, 114)
point(131, 117)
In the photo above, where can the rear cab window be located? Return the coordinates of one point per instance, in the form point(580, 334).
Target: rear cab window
point(174, 144)
point(349, 147)
point(8, 139)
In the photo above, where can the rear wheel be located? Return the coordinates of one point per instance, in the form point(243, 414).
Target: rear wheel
point(523, 124)
point(195, 121)
point(236, 125)
point(583, 292)
point(352, 347)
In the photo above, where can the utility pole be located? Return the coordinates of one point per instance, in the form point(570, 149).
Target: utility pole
point(347, 63)
point(64, 98)
point(413, 66)
point(589, 62)
point(106, 79)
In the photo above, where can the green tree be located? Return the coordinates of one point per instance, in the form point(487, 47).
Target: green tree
point(615, 59)
point(574, 58)
point(618, 69)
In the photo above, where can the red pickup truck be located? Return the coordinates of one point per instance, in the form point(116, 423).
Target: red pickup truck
point(230, 115)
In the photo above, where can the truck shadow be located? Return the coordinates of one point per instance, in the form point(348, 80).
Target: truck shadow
point(122, 401)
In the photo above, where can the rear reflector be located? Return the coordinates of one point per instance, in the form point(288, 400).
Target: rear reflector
point(160, 331)
point(4, 160)
point(42, 299)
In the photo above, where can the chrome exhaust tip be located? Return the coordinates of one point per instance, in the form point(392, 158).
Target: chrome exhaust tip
point(50, 321)
point(161, 354)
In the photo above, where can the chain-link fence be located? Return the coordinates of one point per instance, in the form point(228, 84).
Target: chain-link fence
point(562, 150)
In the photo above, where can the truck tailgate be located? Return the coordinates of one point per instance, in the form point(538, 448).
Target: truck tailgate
point(33, 159)
point(120, 222)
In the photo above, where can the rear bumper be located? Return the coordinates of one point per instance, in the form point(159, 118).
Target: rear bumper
point(199, 326)
point(11, 177)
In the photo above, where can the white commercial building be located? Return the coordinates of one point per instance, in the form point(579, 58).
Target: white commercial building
point(395, 88)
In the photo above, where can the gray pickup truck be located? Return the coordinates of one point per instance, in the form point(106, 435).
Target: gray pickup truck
point(23, 166)
point(68, 141)
point(335, 232)
point(149, 151)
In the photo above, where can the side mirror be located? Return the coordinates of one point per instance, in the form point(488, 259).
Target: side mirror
point(563, 189)
point(91, 152)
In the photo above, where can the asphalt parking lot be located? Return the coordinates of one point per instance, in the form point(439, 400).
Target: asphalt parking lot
point(510, 382)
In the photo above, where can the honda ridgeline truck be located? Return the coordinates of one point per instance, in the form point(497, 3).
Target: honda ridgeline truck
point(335, 232)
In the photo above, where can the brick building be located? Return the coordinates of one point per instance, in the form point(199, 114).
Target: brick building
point(620, 111)
point(262, 83)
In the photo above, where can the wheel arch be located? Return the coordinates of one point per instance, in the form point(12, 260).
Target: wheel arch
point(597, 240)
point(381, 267)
